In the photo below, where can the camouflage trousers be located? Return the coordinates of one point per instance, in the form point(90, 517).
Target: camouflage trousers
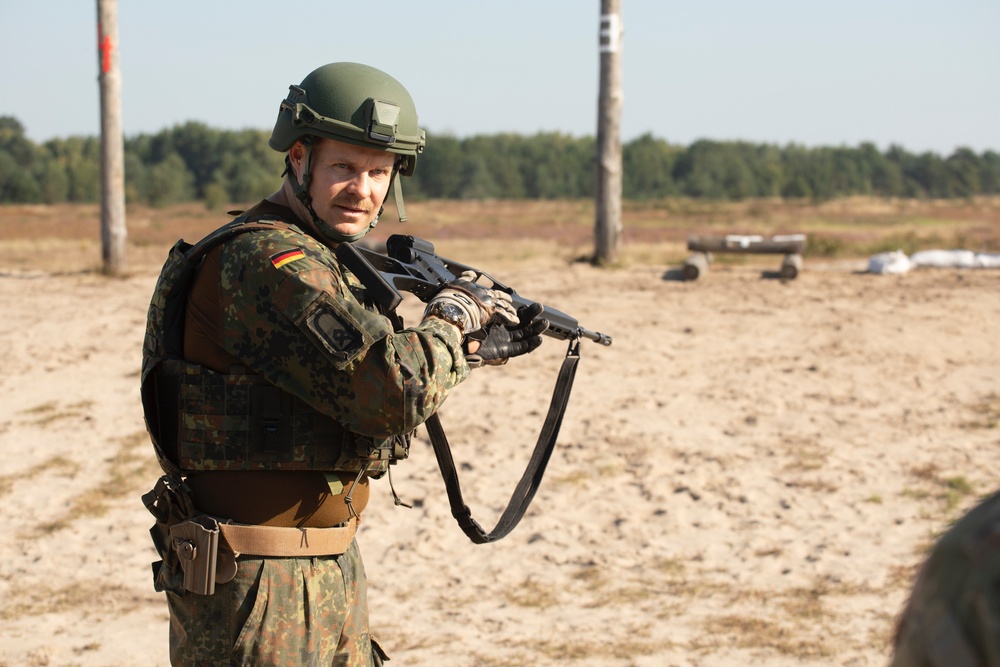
point(277, 611)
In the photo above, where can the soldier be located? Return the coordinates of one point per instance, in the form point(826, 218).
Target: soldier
point(952, 618)
point(274, 388)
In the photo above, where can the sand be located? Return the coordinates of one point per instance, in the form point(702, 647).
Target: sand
point(749, 475)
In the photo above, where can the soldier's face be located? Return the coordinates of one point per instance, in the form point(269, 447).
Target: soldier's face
point(349, 183)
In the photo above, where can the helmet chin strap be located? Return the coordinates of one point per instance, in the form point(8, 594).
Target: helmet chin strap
point(397, 192)
point(301, 191)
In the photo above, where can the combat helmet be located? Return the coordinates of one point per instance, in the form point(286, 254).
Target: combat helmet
point(355, 104)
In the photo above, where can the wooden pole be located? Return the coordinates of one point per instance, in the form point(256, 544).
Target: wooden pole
point(608, 224)
point(113, 232)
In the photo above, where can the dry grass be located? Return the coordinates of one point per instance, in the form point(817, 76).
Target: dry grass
point(58, 465)
point(805, 456)
point(754, 632)
point(129, 467)
point(66, 237)
point(533, 594)
point(47, 413)
point(78, 596)
point(611, 647)
point(797, 622)
point(639, 641)
point(987, 413)
point(948, 490)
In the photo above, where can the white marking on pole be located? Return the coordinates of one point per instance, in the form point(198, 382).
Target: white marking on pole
point(611, 31)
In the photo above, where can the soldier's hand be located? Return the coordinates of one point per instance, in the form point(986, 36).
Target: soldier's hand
point(471, 306)
point(504, 341)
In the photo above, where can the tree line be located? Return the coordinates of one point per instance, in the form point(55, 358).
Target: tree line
point(194, 162)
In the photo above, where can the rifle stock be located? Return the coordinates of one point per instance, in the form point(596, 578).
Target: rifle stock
point(411, 265)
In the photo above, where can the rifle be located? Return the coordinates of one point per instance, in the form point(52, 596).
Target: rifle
point(410, 264)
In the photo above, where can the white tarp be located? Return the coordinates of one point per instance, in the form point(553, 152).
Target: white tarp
point(945, 259)
point(898, 262)
point(889, 262)
point(988, 260)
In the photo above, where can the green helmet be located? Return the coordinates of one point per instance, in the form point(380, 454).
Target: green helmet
point(355, 104)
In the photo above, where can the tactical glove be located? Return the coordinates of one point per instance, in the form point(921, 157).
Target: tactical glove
point(504, 341)
point(470, 306)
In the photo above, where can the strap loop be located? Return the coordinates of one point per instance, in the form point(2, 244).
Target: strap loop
point(532, 477)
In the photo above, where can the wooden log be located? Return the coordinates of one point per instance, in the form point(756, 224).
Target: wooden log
point(696, 265)
point(790, 266)
point(750, 245)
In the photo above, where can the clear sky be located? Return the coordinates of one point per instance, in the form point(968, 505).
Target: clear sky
point(924, 74)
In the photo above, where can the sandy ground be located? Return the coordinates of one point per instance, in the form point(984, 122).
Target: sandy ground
point(749, 475)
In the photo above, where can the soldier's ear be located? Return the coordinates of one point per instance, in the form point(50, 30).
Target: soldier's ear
point(295, 156)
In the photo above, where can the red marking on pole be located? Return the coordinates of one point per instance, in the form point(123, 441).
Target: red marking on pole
point(106, 47)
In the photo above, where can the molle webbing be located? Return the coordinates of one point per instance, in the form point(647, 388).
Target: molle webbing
point(164, 333)
point(241, 422)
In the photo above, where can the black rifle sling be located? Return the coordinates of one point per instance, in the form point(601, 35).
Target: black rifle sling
point(532, 477)
point(389, 298)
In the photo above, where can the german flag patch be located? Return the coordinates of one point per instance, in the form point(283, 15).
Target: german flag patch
point(286, 257)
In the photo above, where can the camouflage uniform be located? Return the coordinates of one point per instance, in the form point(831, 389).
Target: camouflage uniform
point(298, 318)
point(293, 315)
point(277, 611)
point(953, 616)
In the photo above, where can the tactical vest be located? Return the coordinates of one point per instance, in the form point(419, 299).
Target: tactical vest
point(199, 419)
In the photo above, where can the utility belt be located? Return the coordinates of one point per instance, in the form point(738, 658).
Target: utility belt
point(205, 548)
